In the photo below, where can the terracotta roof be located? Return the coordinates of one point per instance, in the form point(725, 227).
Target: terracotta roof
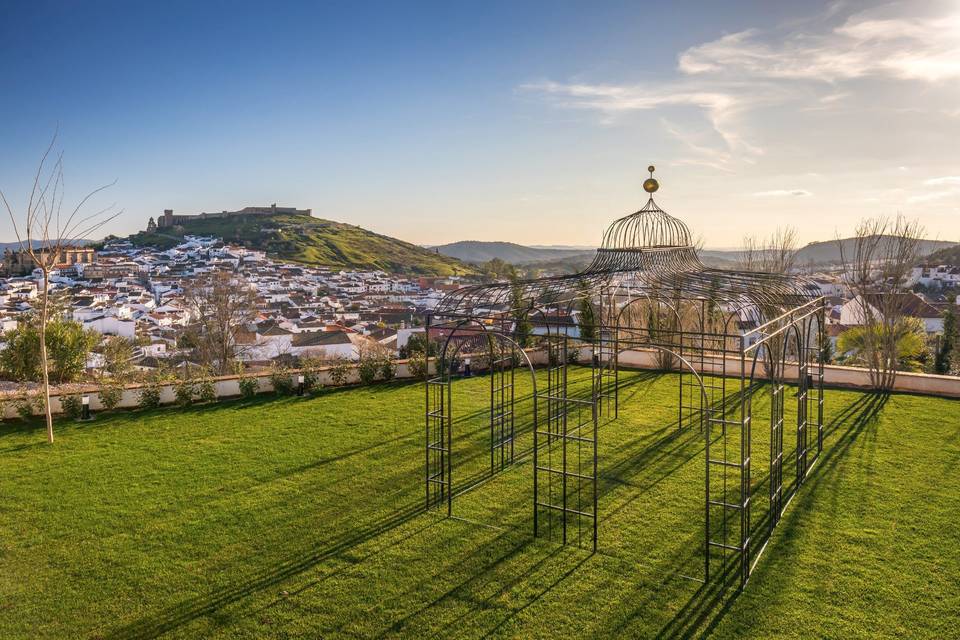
point(911, 304)
point(270, 328)
point(320, 338)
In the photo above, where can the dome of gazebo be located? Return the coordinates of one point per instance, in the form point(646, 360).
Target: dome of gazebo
point(648, 228)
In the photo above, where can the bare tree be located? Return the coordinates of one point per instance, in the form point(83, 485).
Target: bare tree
point(44, 232)
point(876, 269)
point(221, 304)
point(776, 254)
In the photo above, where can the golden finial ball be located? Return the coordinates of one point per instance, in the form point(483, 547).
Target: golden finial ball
point(650, 184)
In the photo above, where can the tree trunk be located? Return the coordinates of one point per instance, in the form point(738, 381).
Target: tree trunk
point(43, 354)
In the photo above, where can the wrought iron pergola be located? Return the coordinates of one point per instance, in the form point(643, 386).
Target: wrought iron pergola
point(646, 295)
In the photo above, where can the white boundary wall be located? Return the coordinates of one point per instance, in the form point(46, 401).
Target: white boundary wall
point(229, 386)
point(833, 375)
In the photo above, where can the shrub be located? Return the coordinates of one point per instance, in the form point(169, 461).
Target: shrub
point(248, 386)
point(553, 355)
point(281, 380)
point(368, 369)
point(339, 370)
point(184, 391)
point(310, 370)
point(387, 369)
point(480, 362)
point(110, 395)
point(67, 347)
point(207, 390)
point(27, 404)
point(417, 365)
point(72, 406)
point(149, 395)
point(450, 366)
point(573, 354)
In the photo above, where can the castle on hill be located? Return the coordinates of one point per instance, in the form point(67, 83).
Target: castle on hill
point(169, 219)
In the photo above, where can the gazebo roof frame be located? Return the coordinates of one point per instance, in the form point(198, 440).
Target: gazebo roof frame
point(648, 253)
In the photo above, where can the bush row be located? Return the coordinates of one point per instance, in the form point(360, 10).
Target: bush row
point(373, 366)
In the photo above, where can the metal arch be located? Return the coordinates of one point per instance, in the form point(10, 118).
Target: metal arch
point(646, 297)
point(490, 334)
point(453, 332)
point(446, 377)
point(442, 447)
point(683, 360)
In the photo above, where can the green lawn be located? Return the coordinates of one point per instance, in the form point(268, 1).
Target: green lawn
point(288, 518)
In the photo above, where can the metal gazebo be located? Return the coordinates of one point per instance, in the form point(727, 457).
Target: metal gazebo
point(728, 335)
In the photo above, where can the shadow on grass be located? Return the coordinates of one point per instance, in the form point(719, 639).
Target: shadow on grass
point(704, 611)
point(172, 618)
point(63, 425)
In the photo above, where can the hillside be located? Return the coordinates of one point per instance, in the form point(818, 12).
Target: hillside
point(828, 251)
point(476, 252)
point(300, 238)
point(947, 255)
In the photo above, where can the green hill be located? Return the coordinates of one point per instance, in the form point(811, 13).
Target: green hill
point(948, 255)
point(301, 238)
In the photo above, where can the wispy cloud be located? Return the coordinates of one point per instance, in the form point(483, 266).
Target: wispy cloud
point(808, 62)
point(781, 193)
point(866, 44)
point(699, 153)
point(721, 109)
point(942, 180)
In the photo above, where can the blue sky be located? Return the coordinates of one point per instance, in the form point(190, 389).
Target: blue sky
point(531, 122)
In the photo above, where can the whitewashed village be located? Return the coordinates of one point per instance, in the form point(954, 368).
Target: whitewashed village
point(134, 297)
point(137, 294)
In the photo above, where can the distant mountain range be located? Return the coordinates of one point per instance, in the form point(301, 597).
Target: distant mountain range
point(816, 253)
point(828, 252)
point(303, 238)
point(477, 252)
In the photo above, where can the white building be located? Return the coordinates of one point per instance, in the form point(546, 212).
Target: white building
point(853, 312)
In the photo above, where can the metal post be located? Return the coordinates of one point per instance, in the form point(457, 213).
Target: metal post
point(595, 498)
point(426, 389)
point(449, 451)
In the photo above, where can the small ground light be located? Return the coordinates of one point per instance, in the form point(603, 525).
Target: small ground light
point(85, 408)
point(300, 383)
point(466, 368)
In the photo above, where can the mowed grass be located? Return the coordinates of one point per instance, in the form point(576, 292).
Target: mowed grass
point(288, 518)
